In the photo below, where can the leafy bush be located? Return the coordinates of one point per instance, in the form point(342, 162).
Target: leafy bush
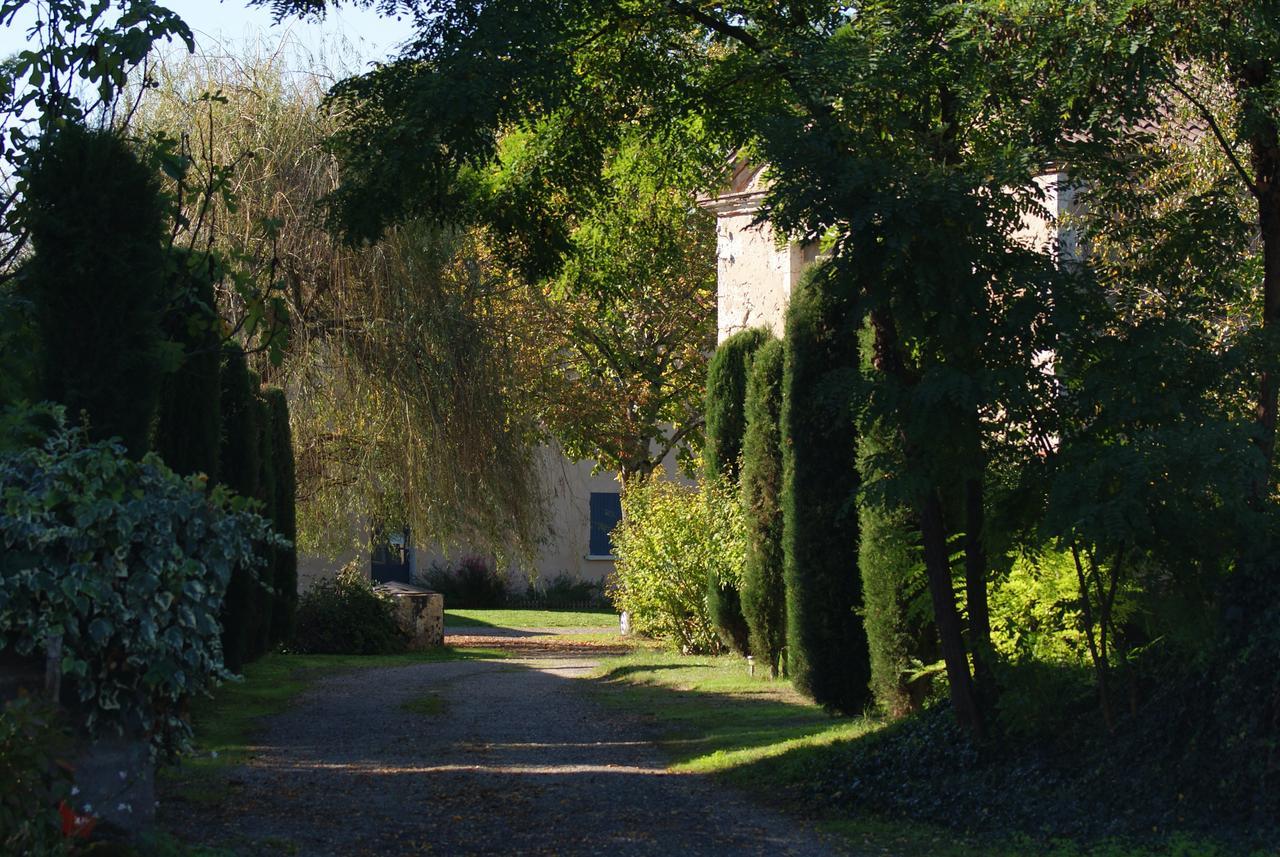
point(673, 540)
point(30, 740)
point(472, 583)
point(127, 564)
point(346, 616)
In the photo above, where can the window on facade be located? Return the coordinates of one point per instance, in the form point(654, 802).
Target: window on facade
point(606, 512)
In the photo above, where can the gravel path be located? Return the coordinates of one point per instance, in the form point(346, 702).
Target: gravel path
point(516, 760)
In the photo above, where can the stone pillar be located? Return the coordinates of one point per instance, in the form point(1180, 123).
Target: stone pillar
point(420, 613)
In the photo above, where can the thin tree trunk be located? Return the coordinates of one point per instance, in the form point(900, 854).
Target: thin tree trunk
point(975, 579)
point(1099, 655)
point(937, 565)
point(888, 359)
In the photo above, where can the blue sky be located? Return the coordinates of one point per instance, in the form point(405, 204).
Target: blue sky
point(230, 22)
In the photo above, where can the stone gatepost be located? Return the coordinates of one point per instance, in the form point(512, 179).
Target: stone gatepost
point(420, 613)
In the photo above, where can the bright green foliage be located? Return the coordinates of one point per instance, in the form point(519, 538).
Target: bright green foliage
point(96, 291)
point(722, 455)
point(284, 516)
point(188, 430)
point(826, 645)
point(345, 616)
point(671, 540)
point(240, 470)
point(764, 597)
point(127, 563)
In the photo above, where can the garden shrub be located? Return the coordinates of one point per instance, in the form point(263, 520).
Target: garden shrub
point(673, 540)
point(96, 291)
point(473, 582)
point(346, 616)
point(726, 424)
point(127, 563)
point(763, 590)
point(31, 741)
point(826, 645)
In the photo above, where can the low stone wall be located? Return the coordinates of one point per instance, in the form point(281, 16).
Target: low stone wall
point(420, 612)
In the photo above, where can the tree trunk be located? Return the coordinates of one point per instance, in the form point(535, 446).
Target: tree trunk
point(938, 569)
point(975, 579)
point(888, 359)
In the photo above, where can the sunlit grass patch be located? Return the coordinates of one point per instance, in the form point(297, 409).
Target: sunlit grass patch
point(716, 718)
point(530, 619)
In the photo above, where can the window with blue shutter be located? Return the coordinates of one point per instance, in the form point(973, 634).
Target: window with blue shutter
point(606, 512)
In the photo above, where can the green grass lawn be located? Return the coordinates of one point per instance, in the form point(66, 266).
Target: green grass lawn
point(530, 619)
point(763, 736)
point(225, 723)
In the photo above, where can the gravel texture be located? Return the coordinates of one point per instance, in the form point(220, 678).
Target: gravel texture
point(513, 758)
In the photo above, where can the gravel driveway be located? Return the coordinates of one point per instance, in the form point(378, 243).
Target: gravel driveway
point(513, 759)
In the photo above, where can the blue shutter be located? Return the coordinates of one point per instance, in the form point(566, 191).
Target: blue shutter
point(606, 512)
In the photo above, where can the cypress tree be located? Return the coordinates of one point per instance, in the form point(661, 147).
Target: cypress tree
point(96, 279)
point(722, 457)
point(726, 396)
point(188, 429)
point(285, 516)
point(826, 645)
point(892, 578)
point(763, 590)
point(240, 470)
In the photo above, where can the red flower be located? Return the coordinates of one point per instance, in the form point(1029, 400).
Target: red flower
point(75, 826)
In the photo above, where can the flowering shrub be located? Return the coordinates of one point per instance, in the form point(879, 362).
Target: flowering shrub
point(126, 564)
point(672, 540)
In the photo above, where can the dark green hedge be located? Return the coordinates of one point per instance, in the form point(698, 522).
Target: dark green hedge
point(285, 516)
point(763, 590)
point(826, 645)
point(96, 279)
point(188, 429)
point(240, 469)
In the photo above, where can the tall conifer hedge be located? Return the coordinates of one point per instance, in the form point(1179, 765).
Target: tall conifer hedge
point(826, 645)
point(189, 427)
point(285, 516)
point(96, 279)
point(763, 590)
point(240, 469)
point(263, 600)
point(892, 577)
point(722, 457)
